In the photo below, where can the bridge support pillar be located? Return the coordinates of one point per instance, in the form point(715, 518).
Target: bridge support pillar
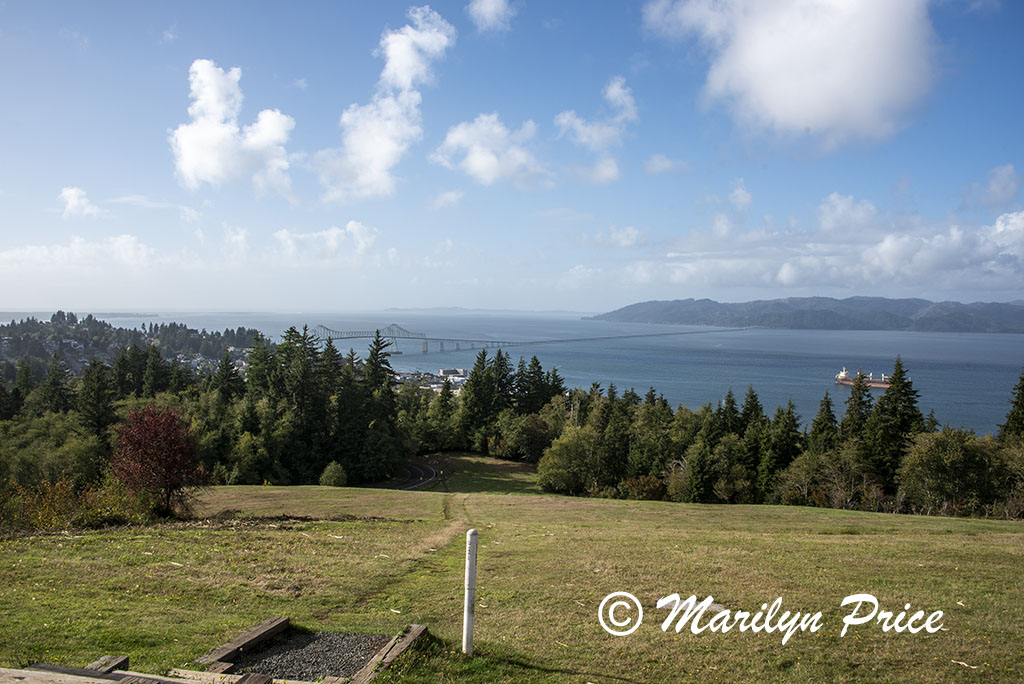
point(456, 346)
point(442, 346)
point(424, 346)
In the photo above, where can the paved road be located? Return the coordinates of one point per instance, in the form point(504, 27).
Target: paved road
point(420, 474)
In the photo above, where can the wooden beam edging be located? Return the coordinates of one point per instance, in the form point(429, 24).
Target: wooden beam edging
point(385, 656)
point(258, 634)
point(108, 664)
point(216, 678)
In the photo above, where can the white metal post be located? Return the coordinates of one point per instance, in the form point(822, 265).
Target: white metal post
point(470, 603)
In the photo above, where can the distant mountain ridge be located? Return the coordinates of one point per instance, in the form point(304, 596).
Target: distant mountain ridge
point(826, 313)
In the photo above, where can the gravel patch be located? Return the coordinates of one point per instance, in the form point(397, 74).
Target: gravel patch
point(312, 656)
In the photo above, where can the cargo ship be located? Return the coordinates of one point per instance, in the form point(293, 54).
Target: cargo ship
point(844, 378)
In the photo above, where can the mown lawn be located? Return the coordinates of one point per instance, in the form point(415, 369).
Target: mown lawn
point(376, 560)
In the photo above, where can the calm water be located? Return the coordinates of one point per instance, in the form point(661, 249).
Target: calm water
point(966, 378)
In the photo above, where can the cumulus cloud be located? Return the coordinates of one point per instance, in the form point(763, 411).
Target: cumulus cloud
point(76, 203)
point(487, 151)
point(78, 255)
point(213, 149)
point(604, 170)
point(491, 15)
point(376, 136)
point(448, 198)
point(345, 245)
point(832, 70)
point(740, 198)
point(187, 214)
point(628, 236)
point(601, 134)
point(659, 163)
point(1000, 189)
point(868, 254)
point(841, 212)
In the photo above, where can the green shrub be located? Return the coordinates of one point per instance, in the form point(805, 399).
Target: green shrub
point(333, 475)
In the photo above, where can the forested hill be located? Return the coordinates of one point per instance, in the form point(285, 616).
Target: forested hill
point(825, 313)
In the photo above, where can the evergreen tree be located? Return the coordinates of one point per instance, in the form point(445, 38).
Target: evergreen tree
point(729, 415)
point(383, 447)
point(752, 411)
point(780, 446)
point(6, 402)
point(895, 419)
point(157, 376)
point(226, 378)
point(96, 399)
point(824, 429)
point(858, 410)
point(24, 380)
point(331, 363)
point(1013, 428)
point(477, 404)
point(56, 395)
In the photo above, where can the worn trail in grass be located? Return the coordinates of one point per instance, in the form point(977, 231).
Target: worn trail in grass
point(375, 560)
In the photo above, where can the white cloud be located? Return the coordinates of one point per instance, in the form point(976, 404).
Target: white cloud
point(629, 236)
point(300, 83)
point(334, 245)
point(491, 15)
point(212, 149)
point(740, 198)
point(1002, 186)
point(620, 97)
point(487, 151)
point(602, 134)
point(187, 214)
point(78, 255)
point(449, 198)
point(376, 136)
point(853, 252)
point(169, 35)
point(77, 204)
point(841, 213)
point(659, 163)
point(831, 70)
point(604, 170)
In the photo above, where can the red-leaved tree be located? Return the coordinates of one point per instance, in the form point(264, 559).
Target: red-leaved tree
point(156, 455)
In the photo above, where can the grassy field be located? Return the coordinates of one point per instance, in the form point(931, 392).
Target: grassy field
point(375, 560)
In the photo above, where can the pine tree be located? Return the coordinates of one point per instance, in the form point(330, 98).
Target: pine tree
point(824, 429)
point(752, 411)
point(1013, 428)
point(226, 378)
point(728, 414)
point(96, 399)
point(895, 419)
point(858, 410)
point(56, 395)
point(6, 402)
point(157, 376)
point(780, 446)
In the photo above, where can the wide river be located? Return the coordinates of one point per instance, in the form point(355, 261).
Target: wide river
point(967, 379)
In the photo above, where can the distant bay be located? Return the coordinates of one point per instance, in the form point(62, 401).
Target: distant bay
point(966, 378)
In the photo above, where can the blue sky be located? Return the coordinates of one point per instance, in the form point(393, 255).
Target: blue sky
point(524, 154)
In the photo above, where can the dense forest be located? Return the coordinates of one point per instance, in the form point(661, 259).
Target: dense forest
point(77, 340)
point(305, 413)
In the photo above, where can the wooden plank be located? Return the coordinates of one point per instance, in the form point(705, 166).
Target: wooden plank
point(109, 664)
point(9, 676)
point(258, 634)
point(253, 678)
point(221, 667)
point(206, 677)
point(385, 656)
point(77, 671)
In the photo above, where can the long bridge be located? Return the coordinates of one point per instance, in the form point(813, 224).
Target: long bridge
point(395, 332)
